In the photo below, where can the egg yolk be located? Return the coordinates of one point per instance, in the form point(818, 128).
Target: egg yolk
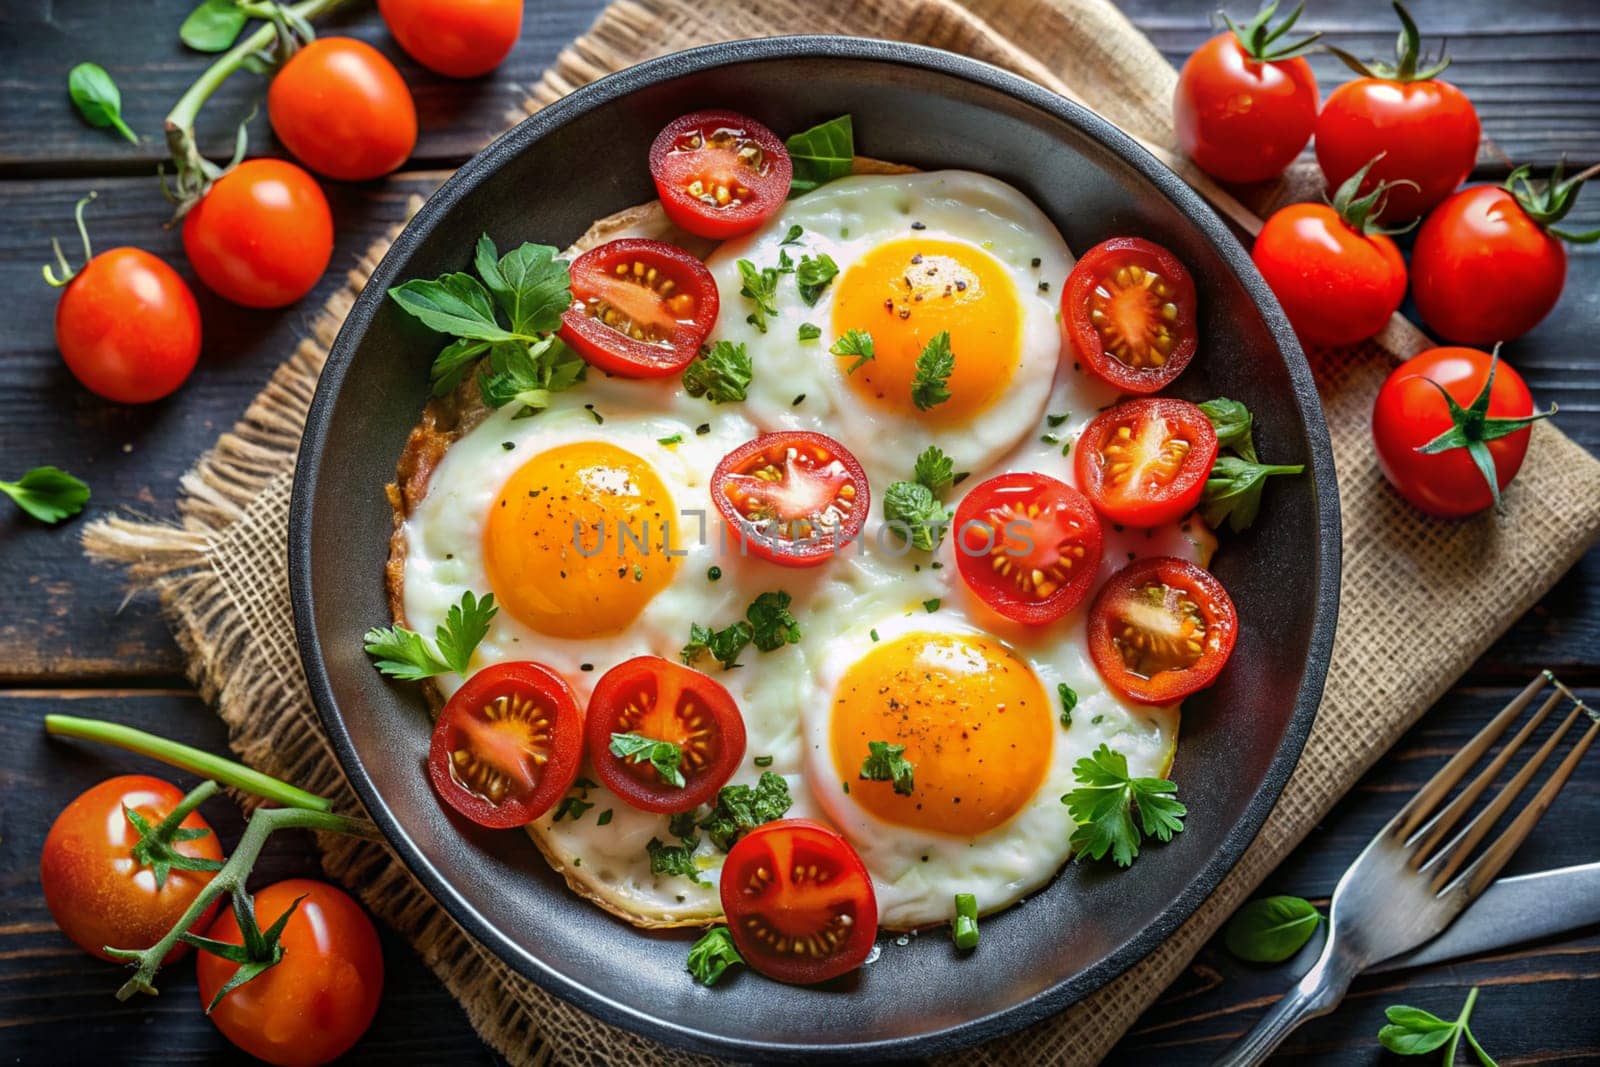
point(907, 292)
point(973, 717)
point(579, 540)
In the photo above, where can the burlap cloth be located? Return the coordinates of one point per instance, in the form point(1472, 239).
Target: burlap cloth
point(1422, 599)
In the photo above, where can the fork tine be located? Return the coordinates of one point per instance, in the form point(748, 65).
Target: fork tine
point(1436, 828)
point(1454, 854)
point(1487, 866)
point(1419, 807)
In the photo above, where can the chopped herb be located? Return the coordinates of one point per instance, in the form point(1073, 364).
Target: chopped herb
point(931, 605)
point(406, 655)
point(720, 373)
point(934, 367)
point(681, 825)
point(772, 624)
point(664, 756)
point(675, 439)
point(604, 818)
point(1057, 420)
point(912, 511)
point(713, 573)
point(798, 400)
point(935, 470)
point(571, 806)
point(810, 331)
point(821, 154)
point(509, 446)
point(712, 955)
point(887, 763)
point(740, 808)
point(724, 644)
point(674, 860)
point(49, 494)
point(814, 275)
point(599, 419)
point(762, 761)
point(873, 633)
point(1069, 700)
point(964, 928)
point(1105, 802)
point(703, 429)
point(856, 343)
point(761, 289)
point(1050, 439)
point(793, 235)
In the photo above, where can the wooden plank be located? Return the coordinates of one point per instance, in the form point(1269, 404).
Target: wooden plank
point(40, 41)
point(1533, 1004)
point(55, 997)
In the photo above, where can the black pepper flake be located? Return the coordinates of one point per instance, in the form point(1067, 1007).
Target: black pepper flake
point(508, 445)
point(919, 226)
point(1044, 287)
point(961, 285)
point(1117, 526)
point(1036, 261)
point(916, 259)
point(703, 429)
point(586, 666)
point(905, 313)
point(797, 400)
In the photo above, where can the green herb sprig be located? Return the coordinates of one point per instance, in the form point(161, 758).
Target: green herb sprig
point(1106, 802)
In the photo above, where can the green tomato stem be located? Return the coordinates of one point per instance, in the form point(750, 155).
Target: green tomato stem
point(230, 878)
point(223, 770)
point(195, 797)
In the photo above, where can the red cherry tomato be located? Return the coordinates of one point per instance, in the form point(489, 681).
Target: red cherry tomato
point(1482, 270)
point(507, 745)
point(1337, 284)
point(97, 892)
point(456, 38)
point(128, 327)
point(640, 308)
point(343, 110)
point(1425, 129)
point(314, 1004)
point(719, 173)
point(262, 236)
point(1145, 462)
point(1160, 629)
point(1128, 308)
point(1029, 546)
point(1410, 412)
point(664, 701)
point(1244, 108)
point(799, 902)
point(794, 497)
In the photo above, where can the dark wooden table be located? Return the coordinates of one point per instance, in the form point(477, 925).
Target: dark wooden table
point(69, 643)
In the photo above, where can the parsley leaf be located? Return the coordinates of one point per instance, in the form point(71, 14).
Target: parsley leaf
point(772, 624)
point(724, 644)
point(573, 807)
point(664, 756)
point(810, 331)
point(856, 343)
point(911, 510)
point(1232, 421)
point(49, 494)
point(1232, 493)
point(793, 234)
point(674, 859)
point(530, 284)
point(814, 276)
point(887, 763)
point(761, 289)
point(741, 807)
point(453, 362)
point(1105, 803)
point(720, 373)
point(406, 654)
point(1069, 700)
point(526, 374)
point(821, 154)
point(935, 470)
point(454, 304)
point(714, 953)
point(934, 368)
point(1414, 1032)
point(1271, 929)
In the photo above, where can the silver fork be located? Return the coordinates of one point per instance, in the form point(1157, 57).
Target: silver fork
point(1406, 887)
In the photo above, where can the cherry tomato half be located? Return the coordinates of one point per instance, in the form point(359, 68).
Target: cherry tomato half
point(1029, 546)
point(456, 38)
point(794, 497)
point(314, 1004)
point(97, 892)
point(1410, 412)
point(1483, 271)
point(507, 745)
point(719, 173)
point(1240, 118)
point(1129, 310)
point(343, 110)
point(128, 327)
point(664, 701)
point(1145, 462)
point(799, 902)
point(1337, 284)
point(1160, 629)
point(640, 308)
point(262, 236)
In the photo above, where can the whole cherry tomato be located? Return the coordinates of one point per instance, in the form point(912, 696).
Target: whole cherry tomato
point(262, 235)
point(127, 325)
point(456, 38)
point(343, 110)
point(98, 892)
point(1439, 460)
point(1245, 105)
point(316, 1002)
point(1426, 129)
point(1488, 264)
point(1335, 271)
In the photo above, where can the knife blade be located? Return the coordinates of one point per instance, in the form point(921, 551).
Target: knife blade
point(1512, 911)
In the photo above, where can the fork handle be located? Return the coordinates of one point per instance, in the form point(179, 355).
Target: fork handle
point(1316, 994)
